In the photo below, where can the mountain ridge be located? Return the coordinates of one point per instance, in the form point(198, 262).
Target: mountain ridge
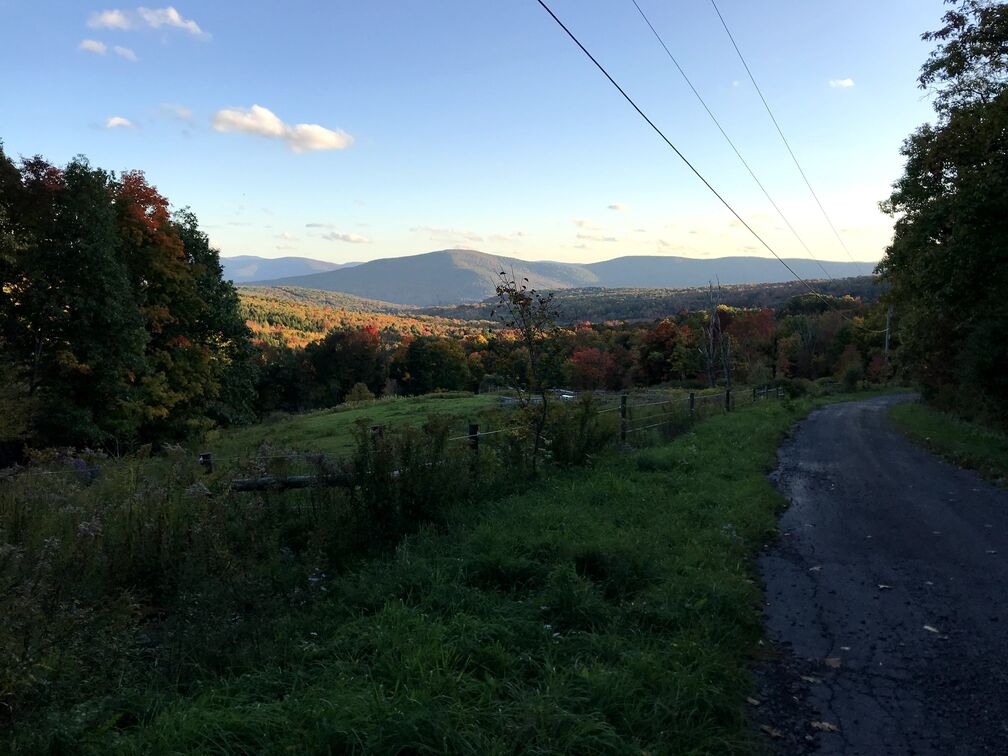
point(455, 276)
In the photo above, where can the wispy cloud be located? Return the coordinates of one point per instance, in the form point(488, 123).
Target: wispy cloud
point(116, 122)
point(151, 18)
point(618, 206)
point(176, 111)
point(448, 234)
point(155, 18)
point(513, 236)
point(596, 237)
point(301, 137)
point(286, 236)
point(125, 52)
point(841, 83)
point(92, 45)
point(348, 238)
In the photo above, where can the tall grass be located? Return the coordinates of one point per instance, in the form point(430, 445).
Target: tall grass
point(443, 602)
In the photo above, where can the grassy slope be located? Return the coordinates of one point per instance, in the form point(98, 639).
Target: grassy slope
point(963, 443)
point(611, 610)
point(332, 431)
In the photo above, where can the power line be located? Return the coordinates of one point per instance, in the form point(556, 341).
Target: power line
point(685, 159)
point(729, 139)
point(781, 132)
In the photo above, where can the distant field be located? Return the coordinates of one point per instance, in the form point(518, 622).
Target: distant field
point(331, 431)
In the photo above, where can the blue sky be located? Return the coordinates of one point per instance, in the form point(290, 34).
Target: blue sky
point(358, 130)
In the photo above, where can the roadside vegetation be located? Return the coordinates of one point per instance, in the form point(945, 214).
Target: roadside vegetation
point(610, 608)
point(962, 442)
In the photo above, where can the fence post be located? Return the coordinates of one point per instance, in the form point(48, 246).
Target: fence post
point(623, 417)
point(754, 394)
point(727, 400)
point(692, 402)
point(206, 462)
point(474, 438)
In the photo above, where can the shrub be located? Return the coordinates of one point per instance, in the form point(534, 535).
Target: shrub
point(359, 393)
point(578, 433)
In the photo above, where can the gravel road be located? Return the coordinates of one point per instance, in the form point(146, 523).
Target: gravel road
point(886, 596)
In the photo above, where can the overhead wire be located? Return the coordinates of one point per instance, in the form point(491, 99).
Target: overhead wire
point(784, 138)
point(690, 165)
point(728, 139)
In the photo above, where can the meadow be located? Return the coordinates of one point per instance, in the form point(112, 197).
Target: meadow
point(608, 605)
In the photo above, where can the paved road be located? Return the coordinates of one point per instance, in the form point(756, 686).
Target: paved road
point(887, 596)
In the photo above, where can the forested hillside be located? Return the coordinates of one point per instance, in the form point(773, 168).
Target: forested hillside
point(457, 276)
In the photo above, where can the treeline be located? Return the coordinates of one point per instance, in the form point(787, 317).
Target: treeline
point(116, 326)
point(808, 338)
point(948, 262)
point(596, 304)
point(292, 317)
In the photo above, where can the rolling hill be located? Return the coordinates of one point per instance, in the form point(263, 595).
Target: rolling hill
point(456, 276)
point(245, 268)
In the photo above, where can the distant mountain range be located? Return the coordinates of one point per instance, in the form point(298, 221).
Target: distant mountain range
point(246, 268)
point(455, 276)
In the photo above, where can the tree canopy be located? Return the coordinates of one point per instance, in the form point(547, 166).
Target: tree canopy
point(947, 262)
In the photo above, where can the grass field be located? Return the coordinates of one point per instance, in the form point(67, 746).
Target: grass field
point(613, 608)
point(964, 443)
point(331, 431)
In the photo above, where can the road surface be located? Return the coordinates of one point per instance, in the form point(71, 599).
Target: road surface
point(887, 596)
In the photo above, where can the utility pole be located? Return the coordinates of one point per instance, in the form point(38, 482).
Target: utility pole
point(888, 320)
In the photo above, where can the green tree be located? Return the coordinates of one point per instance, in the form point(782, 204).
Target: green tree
point(70, 328)
point(946, 264)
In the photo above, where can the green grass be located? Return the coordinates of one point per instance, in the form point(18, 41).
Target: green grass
point(613, 610)
point(964, 443)
point(331, 431)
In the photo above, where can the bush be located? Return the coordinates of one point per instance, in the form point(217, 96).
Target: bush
point(852, 378)
point(359, 393)
point(797, 387)
point(577, 433)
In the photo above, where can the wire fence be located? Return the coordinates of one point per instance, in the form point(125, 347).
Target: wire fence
point(667, 413)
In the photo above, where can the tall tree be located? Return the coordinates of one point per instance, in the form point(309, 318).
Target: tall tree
point(69, 322)
point(947, 263)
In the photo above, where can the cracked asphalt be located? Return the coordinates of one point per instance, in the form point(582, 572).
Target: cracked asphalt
point(886, 596)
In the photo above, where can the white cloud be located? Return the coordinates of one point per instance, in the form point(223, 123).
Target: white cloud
point(117, 122)
point(125, 52)
point(287, 236)
point(618, 206)
point(152, 18)
point(319, 225)
point(155, 18)
point(110, 19)
point(93, 45)
point(349, 238)
point(301, 137)
point(584, 223)
point(841, 83)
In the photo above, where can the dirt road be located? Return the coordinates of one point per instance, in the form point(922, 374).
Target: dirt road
point(887, 596)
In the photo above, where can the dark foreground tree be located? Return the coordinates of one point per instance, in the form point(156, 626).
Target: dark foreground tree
point(948, 263)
